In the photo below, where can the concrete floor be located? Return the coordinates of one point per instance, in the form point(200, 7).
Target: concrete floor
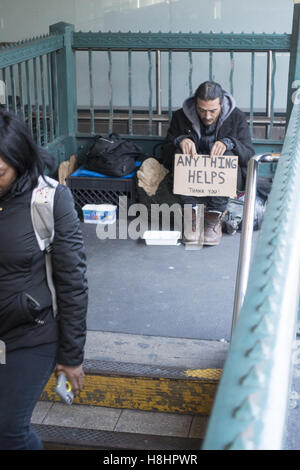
point(161, 290)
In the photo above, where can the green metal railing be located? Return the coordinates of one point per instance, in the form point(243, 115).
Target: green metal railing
point(250, 409)
point(251, 404)
point(205, 47)
point(40, 87)
point(29, 70)
point(41, 82)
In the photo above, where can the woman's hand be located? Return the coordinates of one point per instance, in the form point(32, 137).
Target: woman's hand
point(74, 374)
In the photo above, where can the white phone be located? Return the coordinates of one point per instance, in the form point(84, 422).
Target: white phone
point(64, 389)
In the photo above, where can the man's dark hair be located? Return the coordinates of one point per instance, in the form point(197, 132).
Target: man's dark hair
point(210, 91)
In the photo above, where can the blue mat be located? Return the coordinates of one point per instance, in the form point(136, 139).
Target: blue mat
point(81, 171)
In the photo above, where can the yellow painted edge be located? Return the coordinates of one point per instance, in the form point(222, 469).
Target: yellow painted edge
point(143, 393)
point(210, 374)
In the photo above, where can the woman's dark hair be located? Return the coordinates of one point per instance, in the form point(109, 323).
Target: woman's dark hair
point(210, 91)
point(19, 150)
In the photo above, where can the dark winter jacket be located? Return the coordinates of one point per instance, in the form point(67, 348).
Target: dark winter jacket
point(231, 128)
point(26, 317)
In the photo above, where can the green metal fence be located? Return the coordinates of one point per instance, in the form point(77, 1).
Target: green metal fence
point(39, 86)
point(29, 71)
point(250, 409)
point(205, 48)
point(252, 401)
point(41, 81)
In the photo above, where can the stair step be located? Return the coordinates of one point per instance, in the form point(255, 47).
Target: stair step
point(184, 387)
point(144, 387)
point(139, 393)
point(60, 437)
point(82, 426)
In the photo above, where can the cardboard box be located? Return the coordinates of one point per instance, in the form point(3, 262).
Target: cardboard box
point(161, 237)
point(99, 213)
point(203, 175)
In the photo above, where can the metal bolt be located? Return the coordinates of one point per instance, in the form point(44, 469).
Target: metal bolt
point(264, 326)
point(271, 284)
point(247, 410)
point(255, 376)
point(240, 442)
point(260, 350)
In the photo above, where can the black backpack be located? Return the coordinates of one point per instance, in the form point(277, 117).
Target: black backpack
point(113, 156)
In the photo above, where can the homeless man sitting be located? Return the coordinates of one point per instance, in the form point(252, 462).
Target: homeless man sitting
point(209, 123)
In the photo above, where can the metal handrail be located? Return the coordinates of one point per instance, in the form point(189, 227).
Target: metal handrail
point(244, 259)
point(251, 405)
point(161, 43)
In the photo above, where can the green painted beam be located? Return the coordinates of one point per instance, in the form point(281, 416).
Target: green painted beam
point(62, 148)
point(251, 405)
point(182, 41)
point(66, 81)
point(22, 51)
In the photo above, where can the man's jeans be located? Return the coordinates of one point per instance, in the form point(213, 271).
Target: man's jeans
point(215, 203)
point(22, 380)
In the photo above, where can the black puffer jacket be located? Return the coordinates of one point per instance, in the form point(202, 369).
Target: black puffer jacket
point(232, 125)
point(26, 317)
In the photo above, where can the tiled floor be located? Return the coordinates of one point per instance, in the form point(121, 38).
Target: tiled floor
point(111, 419)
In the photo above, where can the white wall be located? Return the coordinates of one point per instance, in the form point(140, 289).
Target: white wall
point(20, 19)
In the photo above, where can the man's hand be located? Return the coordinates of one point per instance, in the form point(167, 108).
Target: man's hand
point(188, 147)
point(219, 148)
point(74, 375)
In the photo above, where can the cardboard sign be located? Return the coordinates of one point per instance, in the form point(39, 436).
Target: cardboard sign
point(204, 175)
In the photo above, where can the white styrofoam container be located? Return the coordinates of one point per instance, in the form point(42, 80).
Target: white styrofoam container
point(99, 213)
point(161, 237)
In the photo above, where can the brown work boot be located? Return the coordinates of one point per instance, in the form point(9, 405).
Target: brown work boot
point(212, 228)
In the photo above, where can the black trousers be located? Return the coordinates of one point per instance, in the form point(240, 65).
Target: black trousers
point(22, 380)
